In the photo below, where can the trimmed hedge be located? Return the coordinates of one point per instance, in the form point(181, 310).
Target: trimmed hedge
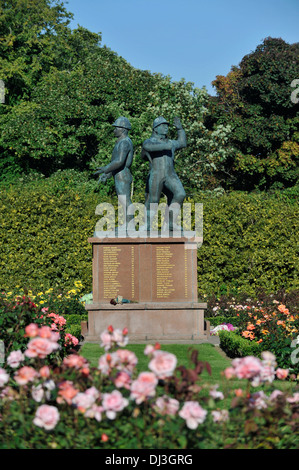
point(249, 240)
point(219, 320)
point(249, 243)
point(235, 346)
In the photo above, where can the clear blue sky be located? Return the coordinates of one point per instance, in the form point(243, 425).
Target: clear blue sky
point(191, 39)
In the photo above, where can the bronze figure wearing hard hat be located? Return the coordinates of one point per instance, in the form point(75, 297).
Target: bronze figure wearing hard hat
point(160, 150)
point(121, 161)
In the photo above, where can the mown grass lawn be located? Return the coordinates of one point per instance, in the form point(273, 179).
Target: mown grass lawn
point(206, 352)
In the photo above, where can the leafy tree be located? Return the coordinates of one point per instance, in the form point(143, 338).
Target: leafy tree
point(34, 37)
point(64, 91)
point(255, 98)
point(35, 41)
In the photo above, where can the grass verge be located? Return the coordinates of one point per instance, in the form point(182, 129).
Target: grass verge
point(206, 352)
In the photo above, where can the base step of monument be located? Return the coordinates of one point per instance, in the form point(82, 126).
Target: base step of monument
point(163, 322)
point(205, 340)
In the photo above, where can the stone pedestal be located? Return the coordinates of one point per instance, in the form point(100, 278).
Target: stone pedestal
point(159, 278)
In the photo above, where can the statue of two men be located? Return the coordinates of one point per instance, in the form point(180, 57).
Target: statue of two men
point(162, 178)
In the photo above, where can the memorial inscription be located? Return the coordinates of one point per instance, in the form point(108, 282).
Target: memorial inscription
point(118, 272)
point(164, 272)
point(111, 265)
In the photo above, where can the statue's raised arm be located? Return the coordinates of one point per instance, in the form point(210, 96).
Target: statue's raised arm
point(160, 151)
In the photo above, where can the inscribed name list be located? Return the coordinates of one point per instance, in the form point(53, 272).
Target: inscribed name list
point(116, 260)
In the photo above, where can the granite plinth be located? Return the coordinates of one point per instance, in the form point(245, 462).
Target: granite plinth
point(159, 278)
point(150, 322)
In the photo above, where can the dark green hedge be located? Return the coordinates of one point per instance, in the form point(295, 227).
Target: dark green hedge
point(235, 346)
point(249, 240)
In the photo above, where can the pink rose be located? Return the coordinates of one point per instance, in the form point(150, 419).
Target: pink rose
point(113, 402)
point(40, 347)
point(258, 400)
point(220, 416)
point(282, 373)
point(37, 393)
point(111, 337)
point(94, 412)
point(268, 359)
point(123, 379)
point(4, 377)
point(93, 392)
point(83, 401)
point(70, 340)
point(163, 364)
point(149, 349)
point(66, 392)
point(216, 394)
point(46, 417)
point(120, 338)
point(267, 374)
point(14, 358)
point(127, 360)
point(45, 332)
point(25, 374)
point(106, 340)
point(58, 319)
point(275, 394)
point(44, 372)
point(75, 360)
point(193, 413)
point(31, 330)
point(144, 387)
point(247, 367)
point(107, 362)
point(166, 405)
point(229, 373)
point(294, 398)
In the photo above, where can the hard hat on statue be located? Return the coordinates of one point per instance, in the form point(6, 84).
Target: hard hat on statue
point(158, 121)
point(122, 122)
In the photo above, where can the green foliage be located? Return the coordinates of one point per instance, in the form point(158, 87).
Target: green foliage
point(63, 92)
point(29, 45)
point(275, 327)
point(219, 320)
point(49, 235)
point(266, 323)
point(17, 312)
point(73, 325)
point(14, 317)
point(249, 244)
point(87, 424)
point(235, 346)
point(249, 241)
point(255, 99)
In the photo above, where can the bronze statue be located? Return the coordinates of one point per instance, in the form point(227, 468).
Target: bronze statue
point(119, 167)
point(160, 150)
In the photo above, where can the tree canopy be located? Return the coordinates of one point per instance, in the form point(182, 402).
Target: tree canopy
point(63, 90)
point(255, 98)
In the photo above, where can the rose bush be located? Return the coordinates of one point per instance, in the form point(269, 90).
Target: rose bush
point(68, 404)
point(21, 318)
point(273, 324)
